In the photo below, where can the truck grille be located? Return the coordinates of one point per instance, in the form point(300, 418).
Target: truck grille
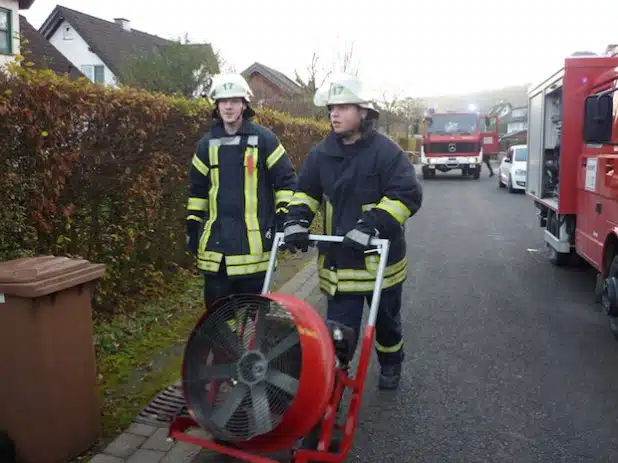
point(460, 147)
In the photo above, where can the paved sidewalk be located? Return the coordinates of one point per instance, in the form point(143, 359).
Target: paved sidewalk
point(142, 443)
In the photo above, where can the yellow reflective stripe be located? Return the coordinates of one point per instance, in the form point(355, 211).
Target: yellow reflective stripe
point(300, 198)
point(247, 269)
point(368, 207)
point(397, 209)
point(273, 157)
point(328, 217)
point(389, 350)
point(213, 154)
point(247, 259)
point(195, 217)
point(282, 209)
point(283, 196)
point(199, 165)
point(251, 208)
point(209, 261)
point(197, 204)
point(349, 280)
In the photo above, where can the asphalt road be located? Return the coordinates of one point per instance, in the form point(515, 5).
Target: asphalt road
point(508, 358)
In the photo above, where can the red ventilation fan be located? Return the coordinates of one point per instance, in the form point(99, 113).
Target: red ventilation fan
point(265, 373)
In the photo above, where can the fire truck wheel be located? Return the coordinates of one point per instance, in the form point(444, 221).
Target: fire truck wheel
point(613, 272)
point(477, 174)
point(559, 259)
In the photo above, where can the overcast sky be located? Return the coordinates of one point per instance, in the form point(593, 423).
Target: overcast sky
point(413, 47)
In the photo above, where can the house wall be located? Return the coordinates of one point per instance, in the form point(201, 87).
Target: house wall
point(263, 89)
point(12, 5)
point(74, 47)
point(516, 126)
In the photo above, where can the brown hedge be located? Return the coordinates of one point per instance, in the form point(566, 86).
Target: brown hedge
point(101, 173)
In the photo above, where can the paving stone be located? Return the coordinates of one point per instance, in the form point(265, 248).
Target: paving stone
point(159, 441)
point(181, 452)
point(102, 458)
point(146, 456)
point(142, 429)
point(124, 445)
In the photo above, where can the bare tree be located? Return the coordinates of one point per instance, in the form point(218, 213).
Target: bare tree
point(410, 110)
point(388, 103)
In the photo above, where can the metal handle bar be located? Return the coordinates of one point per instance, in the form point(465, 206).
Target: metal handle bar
point(382, 248)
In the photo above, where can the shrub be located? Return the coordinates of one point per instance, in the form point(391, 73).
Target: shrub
point(101, 173)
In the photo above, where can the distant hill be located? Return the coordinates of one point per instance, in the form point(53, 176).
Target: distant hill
point(515, 95)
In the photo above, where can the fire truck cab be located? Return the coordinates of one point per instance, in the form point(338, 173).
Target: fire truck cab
point(572, 153)
point(457, 141)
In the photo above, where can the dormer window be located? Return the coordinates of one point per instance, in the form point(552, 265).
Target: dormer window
point(67, 33)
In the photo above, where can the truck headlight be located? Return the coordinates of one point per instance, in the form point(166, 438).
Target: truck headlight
point(472, 160)
point(520, 172)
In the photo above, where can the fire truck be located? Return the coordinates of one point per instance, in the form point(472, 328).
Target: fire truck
point(571, 175)
point(457, 141)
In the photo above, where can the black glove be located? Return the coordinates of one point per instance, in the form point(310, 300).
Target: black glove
point(296, 236)
point(193, 236)
point(280, 217)
point(360, 236)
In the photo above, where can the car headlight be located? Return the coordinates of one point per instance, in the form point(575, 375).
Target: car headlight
point(472, 160)
point(520, 172)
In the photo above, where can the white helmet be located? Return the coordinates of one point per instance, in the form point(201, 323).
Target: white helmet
point(229, 86)
point(344, 89)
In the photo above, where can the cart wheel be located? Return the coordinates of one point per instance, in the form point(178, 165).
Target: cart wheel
point(8, 452)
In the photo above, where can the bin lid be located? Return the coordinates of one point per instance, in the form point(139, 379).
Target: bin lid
point(42, 275)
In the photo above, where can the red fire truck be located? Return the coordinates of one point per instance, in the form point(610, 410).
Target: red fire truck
point(571, 176)
point(457, 141)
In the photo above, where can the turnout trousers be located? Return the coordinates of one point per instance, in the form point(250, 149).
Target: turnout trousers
point(347, 309)
point(221, 285)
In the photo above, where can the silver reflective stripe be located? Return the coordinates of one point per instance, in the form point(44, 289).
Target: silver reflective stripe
point(293, 229)
point(252, 140)
point(230, 141)
point(358, 236)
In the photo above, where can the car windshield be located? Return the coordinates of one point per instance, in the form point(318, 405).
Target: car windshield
point(521, 154)
point(452, 123)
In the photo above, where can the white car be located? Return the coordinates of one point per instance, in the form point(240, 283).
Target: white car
point(512, 170)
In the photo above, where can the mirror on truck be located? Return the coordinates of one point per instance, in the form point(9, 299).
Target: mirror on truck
point(428, 121)
point(416, 125)
point(598, 112)
point(487, 122)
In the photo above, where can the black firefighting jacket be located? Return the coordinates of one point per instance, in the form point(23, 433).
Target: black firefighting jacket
point(371, 180)
point(236, 185)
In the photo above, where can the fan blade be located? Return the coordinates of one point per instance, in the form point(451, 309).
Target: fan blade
point(287, 343)
point(221, 371)
point(225, 337)
point(259, 327)
point(228, 407)
point(283, 381)
point(261, 409)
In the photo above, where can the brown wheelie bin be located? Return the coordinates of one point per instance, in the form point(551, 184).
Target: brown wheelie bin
point(48, 392)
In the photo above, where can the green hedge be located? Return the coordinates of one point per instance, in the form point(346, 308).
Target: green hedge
point(101, 173)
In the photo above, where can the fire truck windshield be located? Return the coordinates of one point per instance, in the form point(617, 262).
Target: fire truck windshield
point(452, 123)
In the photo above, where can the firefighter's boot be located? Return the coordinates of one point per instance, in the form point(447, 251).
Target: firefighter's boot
point(390, 375)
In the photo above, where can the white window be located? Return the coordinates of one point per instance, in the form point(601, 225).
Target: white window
point(67, 33)
point(6, 42)
point(95, 73)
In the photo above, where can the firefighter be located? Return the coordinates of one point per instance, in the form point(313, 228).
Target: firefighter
point(367, 188)
point(240, 182)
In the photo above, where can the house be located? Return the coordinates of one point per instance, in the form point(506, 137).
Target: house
point(100, 49)
point(269, 84)
point(9, 28)
point(517, 120)
point(42, 54)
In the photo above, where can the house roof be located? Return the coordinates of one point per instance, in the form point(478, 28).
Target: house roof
point(107, 39)
point(25, 4)
point(43, 54)
point(278, 78)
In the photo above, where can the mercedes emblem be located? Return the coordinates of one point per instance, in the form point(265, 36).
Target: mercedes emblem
point(452, 148)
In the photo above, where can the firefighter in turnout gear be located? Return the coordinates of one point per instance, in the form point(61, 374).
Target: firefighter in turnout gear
point(367, 188)
point(240, 182)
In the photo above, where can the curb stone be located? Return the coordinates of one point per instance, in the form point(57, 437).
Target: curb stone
point(141, 443)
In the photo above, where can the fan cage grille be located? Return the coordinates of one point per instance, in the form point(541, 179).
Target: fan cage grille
point(242, 367)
